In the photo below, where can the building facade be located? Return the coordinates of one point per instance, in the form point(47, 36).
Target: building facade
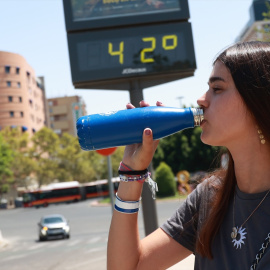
point(258, 26)
point(64, 112)
point(22, 95)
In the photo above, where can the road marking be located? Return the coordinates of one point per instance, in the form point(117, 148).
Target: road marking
point(15, 257)
point(94, 240)
point(36, 246)
point(73, 243)
point(91, 250)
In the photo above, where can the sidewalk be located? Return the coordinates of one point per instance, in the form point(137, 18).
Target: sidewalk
point(186, 264)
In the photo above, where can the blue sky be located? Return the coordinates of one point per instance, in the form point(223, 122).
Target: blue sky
point(36, 30)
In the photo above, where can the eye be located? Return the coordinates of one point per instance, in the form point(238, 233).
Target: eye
point(216, 89)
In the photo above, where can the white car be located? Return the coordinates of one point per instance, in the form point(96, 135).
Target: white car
point(53, 226)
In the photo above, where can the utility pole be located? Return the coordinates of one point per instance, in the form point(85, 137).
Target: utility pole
point(148, 203)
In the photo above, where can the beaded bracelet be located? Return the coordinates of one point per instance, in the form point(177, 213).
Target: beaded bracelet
point(139, 178)
point(126, 207)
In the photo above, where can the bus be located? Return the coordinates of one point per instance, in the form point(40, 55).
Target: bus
point(99, 188)
point(53, 193)
point(68, 192)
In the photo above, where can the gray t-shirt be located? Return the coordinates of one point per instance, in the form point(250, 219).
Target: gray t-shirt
point(228, 254)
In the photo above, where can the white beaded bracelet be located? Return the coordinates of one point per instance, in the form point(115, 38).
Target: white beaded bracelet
point(126, 207)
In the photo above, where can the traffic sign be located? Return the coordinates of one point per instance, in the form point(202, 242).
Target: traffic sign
point(107, 151)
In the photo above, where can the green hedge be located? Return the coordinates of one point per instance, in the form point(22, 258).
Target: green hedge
point(165, 180)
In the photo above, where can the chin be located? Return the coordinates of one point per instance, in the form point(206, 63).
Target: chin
point(207, 140)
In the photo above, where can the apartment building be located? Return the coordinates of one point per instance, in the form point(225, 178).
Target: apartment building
point(64, 112)
point(22, 95)
point(258, 26)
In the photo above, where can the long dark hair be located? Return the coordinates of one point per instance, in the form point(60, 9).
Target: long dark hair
point(249, 65)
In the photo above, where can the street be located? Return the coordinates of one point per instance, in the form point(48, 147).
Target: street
point(86, 248)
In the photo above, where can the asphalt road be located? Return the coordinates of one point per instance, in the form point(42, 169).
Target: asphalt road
point(86, 248)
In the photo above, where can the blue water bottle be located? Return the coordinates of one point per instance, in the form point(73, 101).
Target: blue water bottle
point(124, 127)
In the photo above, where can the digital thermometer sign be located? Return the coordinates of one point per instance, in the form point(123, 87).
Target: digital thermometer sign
point(159, 51)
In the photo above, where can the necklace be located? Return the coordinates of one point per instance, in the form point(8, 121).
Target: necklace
point(236, 230)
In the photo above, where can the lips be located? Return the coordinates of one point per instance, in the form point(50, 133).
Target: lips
point(202, 123)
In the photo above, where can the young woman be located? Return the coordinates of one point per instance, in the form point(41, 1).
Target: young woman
point(225, 220)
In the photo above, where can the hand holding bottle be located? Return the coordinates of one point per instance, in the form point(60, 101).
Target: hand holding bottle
point(138, 156)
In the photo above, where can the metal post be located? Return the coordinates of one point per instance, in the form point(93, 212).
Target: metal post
point(111, 186)
point(148, 204)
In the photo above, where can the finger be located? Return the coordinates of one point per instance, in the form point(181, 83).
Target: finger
point(159, 103)
point(148, 146)
point(149, 143)
point(144, 104)
point(130, 106)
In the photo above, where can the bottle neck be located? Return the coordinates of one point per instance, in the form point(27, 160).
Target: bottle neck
point(198, 116)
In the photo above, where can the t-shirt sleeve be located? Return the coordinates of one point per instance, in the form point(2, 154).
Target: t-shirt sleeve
point(182, 226)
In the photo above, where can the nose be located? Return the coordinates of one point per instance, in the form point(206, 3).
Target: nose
point(202, 101)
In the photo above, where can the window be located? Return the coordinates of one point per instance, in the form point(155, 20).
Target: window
point(20, 99)
point(21, 114)
point(7, 69)
point(8, 83)
point(17, 70)
point(11, 114)
point(18, 84)
point(10, 98)
point(31, 102)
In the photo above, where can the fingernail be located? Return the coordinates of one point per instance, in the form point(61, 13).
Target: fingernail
point(147, 132)
point(159, 102)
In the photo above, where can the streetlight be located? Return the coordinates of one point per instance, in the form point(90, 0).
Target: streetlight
point(180, 100)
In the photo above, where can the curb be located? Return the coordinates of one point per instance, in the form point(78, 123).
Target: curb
point(3, 242)
point(98, 204)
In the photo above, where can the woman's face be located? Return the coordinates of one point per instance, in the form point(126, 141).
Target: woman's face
point(227, 122)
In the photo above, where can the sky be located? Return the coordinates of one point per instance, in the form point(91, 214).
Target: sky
point(36, 30)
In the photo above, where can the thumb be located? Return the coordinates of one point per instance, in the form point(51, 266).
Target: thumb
point(147, 135)
point(147, 144)
point(147, 149)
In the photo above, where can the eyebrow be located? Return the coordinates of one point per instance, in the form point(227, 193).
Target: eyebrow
point(214, 79)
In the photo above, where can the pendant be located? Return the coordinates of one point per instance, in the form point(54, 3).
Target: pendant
point(234, 233)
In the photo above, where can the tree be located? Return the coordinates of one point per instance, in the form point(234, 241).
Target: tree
point(100, 163)
point(73, 163)
point(6, 158)
point(165, 180)
point(264, 29)
point(22, 165)
point(185, 151)
point(43, 151)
